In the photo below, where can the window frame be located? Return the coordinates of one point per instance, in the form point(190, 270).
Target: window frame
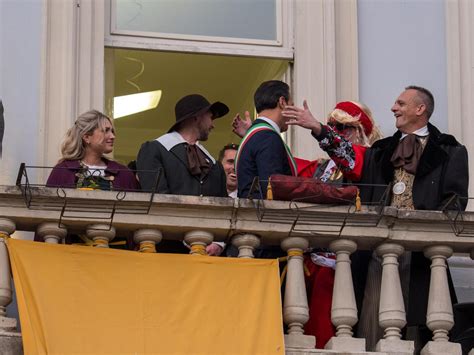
point(78, 73)
point(282, 47)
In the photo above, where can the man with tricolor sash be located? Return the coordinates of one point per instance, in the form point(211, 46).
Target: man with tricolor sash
point(262, 151)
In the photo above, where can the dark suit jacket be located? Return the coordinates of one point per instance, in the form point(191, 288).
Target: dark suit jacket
point(175, 178)
point(264, 154)
point(442, 172)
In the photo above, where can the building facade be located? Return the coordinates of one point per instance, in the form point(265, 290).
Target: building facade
point(62, 57)
point(58, 63)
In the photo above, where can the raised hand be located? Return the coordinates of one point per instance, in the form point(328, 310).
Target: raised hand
point(302, 117)
point(240, 126)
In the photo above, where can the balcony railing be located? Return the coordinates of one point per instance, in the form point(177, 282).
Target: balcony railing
point(101, 215)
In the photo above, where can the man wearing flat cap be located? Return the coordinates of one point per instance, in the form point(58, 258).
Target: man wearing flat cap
point(187, 167)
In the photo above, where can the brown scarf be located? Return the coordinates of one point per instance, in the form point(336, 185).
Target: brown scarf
point(198, 164)
point(407, 154)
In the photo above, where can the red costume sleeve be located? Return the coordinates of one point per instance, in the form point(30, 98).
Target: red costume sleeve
point(306, 168)
point(356, 173)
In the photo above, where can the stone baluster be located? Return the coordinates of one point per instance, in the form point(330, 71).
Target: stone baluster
point(51, 232)
point(344, 308)
point(472, 257)
point(100, 234)
point(10, 338)
point(392, 317)
point(7, 227)
point(439, 316)
point(147, 239)
point(295, 309)
point(246, 243)
point(198, 241)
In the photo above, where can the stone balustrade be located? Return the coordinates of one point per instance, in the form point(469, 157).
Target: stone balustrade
point(344, 309)
point(147, 239)
point(249, 224)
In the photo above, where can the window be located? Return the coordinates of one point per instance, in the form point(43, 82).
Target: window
point(216, 20)
point(260, 28)
point(230, 79)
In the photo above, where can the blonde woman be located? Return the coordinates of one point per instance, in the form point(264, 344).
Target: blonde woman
point(83, 164)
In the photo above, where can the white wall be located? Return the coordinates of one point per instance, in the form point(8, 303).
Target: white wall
point(401, 43)
point(20, 74)
point(20, 63)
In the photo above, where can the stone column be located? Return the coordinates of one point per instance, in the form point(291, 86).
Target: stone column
point(392, 317)
point(147, 239)
point(344, 308)
point(198, 241)
point(295, 309)
point(51, 232)
point(246, 243)
point(100, 234)
point(7, 227)
point(439, 316)
point(10, 338)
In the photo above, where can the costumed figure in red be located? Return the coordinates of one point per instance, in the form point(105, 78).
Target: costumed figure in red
point(349, 131)
point(349, 123)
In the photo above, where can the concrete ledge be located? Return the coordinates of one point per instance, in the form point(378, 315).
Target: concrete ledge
point(11, 343)
point(300, 341)
point(174, 215)
point(347, 344)
point(396, 347)
point(441, 348)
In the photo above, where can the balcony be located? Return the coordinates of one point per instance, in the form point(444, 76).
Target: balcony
point(52, 213)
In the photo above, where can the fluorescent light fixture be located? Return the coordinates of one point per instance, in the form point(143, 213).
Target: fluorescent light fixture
point(134, 103)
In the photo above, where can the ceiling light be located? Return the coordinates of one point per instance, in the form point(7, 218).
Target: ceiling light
point(134, 103)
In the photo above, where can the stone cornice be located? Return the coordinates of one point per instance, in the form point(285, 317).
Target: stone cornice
point(275, 220)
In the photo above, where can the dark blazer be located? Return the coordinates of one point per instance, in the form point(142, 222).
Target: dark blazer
point(64, 175)
point(442, 173)
point(175, 178)
point(264, 154)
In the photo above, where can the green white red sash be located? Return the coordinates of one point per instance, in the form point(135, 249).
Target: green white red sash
point(264, 127)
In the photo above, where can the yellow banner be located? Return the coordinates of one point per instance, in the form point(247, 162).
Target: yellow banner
point(84, 300)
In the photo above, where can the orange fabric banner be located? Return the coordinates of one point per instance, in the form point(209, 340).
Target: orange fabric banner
point(84, 300)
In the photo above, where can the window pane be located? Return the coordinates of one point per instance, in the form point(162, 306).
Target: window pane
point(232, 80)
point(249, 19)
